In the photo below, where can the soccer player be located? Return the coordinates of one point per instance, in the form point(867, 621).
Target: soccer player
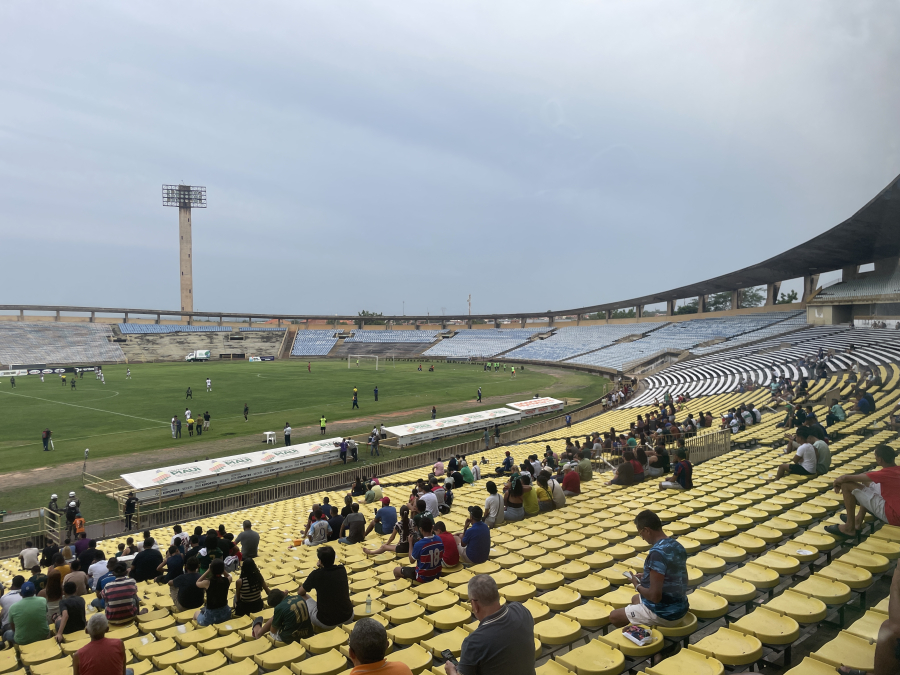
point(12, 381)
point(206, 421)
point(188, 394)
point(355, 400)
point(128, 373)
point(208, 385)
point(308, 367)
point(73, 383)
point(102, 378)
point(357, 363)
point(376, 392)
point(513, 371)
point(322, 421)
point(479, 394)
point(63, 377)
point(246, 411)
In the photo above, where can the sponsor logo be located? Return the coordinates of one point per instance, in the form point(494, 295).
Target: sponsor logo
point(38, 372)
point(59, 370)
point(161, 478)
point(236, 461)
point(218, 466)
point(268, 457)
point(185, 471)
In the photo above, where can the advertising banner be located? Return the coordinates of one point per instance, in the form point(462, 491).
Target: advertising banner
point(205, 474)
point(428, 430)
point(13, 373)
point(256, 359)
point(537, 406)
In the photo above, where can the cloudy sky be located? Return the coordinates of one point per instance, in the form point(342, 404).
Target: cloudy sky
point(359, 155)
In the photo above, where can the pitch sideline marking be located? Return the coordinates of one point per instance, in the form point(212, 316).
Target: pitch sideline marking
point(75, 405)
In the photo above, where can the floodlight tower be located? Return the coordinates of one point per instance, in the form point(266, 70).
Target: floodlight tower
point(185, 197)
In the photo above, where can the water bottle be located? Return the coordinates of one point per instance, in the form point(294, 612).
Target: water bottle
point(368, 604)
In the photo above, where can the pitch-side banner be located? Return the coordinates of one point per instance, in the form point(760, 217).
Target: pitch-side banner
point(174, 480)
point(419, 432)
point(537, 406)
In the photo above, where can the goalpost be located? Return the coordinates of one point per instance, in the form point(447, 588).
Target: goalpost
point(356, 361)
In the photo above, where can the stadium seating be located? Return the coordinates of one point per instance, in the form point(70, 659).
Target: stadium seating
point(388, 336)
point(313, 343)
point(762, 570)
point(156, 328)
point(571, 341)
point(262, 329)
point(482, 343)
point(57, 343)
point(872, 284)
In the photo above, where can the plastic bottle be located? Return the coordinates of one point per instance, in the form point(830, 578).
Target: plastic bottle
point(368, 604)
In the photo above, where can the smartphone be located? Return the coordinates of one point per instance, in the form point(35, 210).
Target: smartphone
point(447, 655)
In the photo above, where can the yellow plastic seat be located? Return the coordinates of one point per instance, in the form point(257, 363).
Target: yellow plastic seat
point(706, 563)
point(592, 614)
point(202, 665)
point(174, 657)
point(397, 599)
point(195, 636)
point(442, 600)
point(873, 563)
point(619, 551)
point(820, 542)
point(522, 570)
point(450, 618)
point(618, 640)
point(847, 650)
point(152, 616)
point(727, 552)
point(154, 648)
point(322, 643)
point(889, 549)
point(278, 657)
point(801, 608)
point(561, 599)
point(732, 589)
point(411, 632)
point(731, 647)
point(549, 668)
point(779, 563)
point(247, 650)
point(487, 567)
point(591, 586)
point(827, 590)
point(219, 643)
point(868, 625)
point(70, 647)
point(158, 624)
point(768, 534)
point(770, 627)
point(811, 666)
point(61, 666)
point(40, 652)
point(348, 627)
point(8, 661)
point(331, 662)
point(594, 658)
point(705, 605)
point(706, 536)
point(547, 580)
point(518, 592)
point(559, 630)
point(619, 598)
point(854, 577)
point(800, 551)
point(404, 613)
point(748, 542)
point(359, 611)
point(233, 625)
point(451, 640)
point(595, 543)
point(415, 657)
point(687, 626)
point(759, 576)
point(574, 569)
point(687, 662)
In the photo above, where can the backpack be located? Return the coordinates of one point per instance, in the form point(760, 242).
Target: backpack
point(232, 563)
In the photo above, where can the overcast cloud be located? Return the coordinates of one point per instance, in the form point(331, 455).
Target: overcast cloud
point(361, 154)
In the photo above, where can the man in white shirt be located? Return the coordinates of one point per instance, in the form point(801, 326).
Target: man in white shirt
point(493, 506)
point(431, 502)
point(535, 464)
point(97, 570)
point(476, 471)
point(9, 599)
point(804, 462)
point(208, 385)
point(29, 556)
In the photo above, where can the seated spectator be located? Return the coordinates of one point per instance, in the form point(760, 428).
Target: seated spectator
point(426, 555)
point(102, 655)
point(184, 589)
point(887, 646)
point(682, 476)
point(629, 456)
point(658, 461)
point(335, 522)
point(466, 474)
point(804, 462)
point(476, 470)
point(27, 618)
point(438, 468)
point(861, 490)
point(624, 474)
point(529, 496)
point(216, 582)
point(102, 580)
point(332, 607)
point(823, 457)
point(120, 597)
point(71, 612)
point(862, 407)
point(585, 471)
point(145, 564)
point(450, 557)
point(474, 543)
point(402, 530)
point(353, 527)
point(503, 642)
point(289, 623)
point(507, 465)
point(493, 506)
point(367, 647)
point(571, 483)
point(513, 498)
point(78, 577)
point(661, 598)
point(319, 530)
point(173, 566)
point(97, 569)
point(248, 589)
point(7, 600)
point(385, 518)
point(543, 494)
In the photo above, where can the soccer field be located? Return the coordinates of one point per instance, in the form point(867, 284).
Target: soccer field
point(132, 416)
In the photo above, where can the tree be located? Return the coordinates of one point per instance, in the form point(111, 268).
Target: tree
point(787, 299)
point(753, 297)
point(370, 321)
point(624, 314)
point(691, 307)
point(718, 302)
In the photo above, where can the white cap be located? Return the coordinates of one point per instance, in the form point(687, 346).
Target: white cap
point(72, 504)
point(71, 494)
point(53, 497)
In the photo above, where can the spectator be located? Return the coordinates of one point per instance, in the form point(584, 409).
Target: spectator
point(184, 590)
point(467, 474)
point(624, 473)
point(249, 541)
point(682, 474)
point(513, 498)
point(120, 597)
point(544, 493)
point(438, 468)
point(385, 518)
point(493, 506)
point(27, 618)
point(78, 577)
point(38, 578)
point(862, 406)
point(210, 551)
point(474, 544)
point(29, 556)
point(450, 557)
point(216, 583)
point(102, 655)
point(503, 643)
point(430, 498)
point(402, 529)
point(354, 527)
point(319, 530)
point(571, 484)
point(289, 623)
point(145, 563)
point(440, 495)
point(426, 555)
point(71, 612)
point(585, 472)
point(529, 496)
point(101, 582)
point(507, 465)
point(661, 598)
point(861, 490)
point(332, 606)
point(7, 600)
point(823, 457)
point(248, 589)
point(86, 557)
point(368, 645)
point(335, 523)
point(804, 462)
point(174, 565)
point(97, 569)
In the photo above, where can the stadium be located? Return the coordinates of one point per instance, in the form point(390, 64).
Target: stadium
point(700, 480)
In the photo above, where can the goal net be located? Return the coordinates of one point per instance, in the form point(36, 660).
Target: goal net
point(362, 361)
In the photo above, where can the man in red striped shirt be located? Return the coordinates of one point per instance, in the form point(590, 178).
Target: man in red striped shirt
point(427, 554)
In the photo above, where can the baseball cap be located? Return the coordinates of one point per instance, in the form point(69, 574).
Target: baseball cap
point(476, 512)
point(385, 501)
point(27, 590)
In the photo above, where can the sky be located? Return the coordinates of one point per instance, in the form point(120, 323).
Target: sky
point(400, 156)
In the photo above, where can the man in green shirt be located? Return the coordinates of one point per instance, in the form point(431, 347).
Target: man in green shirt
point(467, 475)
point(322, 422)
point(585, 472)
point(27, 618)
point(836, 414)
point(289, 623)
